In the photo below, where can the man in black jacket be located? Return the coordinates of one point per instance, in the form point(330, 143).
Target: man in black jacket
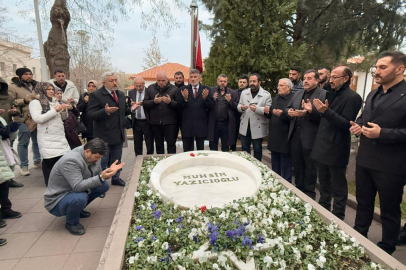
point(333, 142)
point(107, 109)
point(195, 100)
point(242, 85)
point(160, 105)
point(382, 151)
point(303, 128)
point(222, 116)
point(82, 106)
point(278, 130)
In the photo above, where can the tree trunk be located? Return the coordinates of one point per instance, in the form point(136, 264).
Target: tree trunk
point(56, 47)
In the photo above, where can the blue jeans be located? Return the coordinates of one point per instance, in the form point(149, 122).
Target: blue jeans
point(114, 152)
point(246, 144)
point(282, 165)
point(24, 136)
point(73, 203)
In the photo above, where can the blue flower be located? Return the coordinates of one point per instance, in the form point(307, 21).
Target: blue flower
point(157, 214)
point(166, 259)
point(301, 222)
point(261, 239)
point(246, 223)
point(139, 215)
point(139, 228)
point(240, 231)
point(179, 219)
point(139, 239)
point(153, 206)
point(247, 242)
point(153, 237)
point(230, 233)
point(169, 249)
point(236, 222)
point(211, 227)
point(195, 239)
point(180, 226)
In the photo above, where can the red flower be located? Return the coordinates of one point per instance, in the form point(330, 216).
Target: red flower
point(192, 155)
point(203, 208)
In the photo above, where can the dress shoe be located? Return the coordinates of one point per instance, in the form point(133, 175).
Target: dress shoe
point(84, 214)
point(102, 195)
point(402, 237)
point(8, 213)
point(118, 182)
point(76, 229)
point(3, 223)
point(3, 242)
point(14, 184)
point(388, 249)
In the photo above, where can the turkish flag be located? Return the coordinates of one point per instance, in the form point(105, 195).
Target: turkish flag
point(198, 48)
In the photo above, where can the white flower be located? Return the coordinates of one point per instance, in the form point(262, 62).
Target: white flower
point(165, 246)
point(268, 260)
point(320, 261)
point(235, 206)
point(132, 259)
point(137, 194)
point(181, 267)
point(311, 267)
point(223, 215)
point(151, 259)
point(216, 266)
point(222, 259)
point(228, 267)
point(140, 243)
point(308, 248)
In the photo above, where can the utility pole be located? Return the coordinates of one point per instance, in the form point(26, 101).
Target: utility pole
point(193, 8)
point(44, 68)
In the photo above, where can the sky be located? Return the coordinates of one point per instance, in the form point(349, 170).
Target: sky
point(130, 40)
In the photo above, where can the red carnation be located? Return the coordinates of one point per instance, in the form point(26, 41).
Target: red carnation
point(192, 155)
point(203, 208)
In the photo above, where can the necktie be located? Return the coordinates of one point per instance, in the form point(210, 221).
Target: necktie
point(114, 96)
point(195, 88)
point(139, 109)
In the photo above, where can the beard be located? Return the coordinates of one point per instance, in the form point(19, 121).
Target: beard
point(27, 81)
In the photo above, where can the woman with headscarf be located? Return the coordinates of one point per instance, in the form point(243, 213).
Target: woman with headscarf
point(82, 106)
point(71, 123)
point(48, 114)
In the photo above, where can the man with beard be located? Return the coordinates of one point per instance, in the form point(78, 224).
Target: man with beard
point(333, 141)
point(160, 105)
point(303, 128)
point(70, 93)
point(179, 79)
point(295, 73)
point(221, 116)
point(253, 126)
point(194, 100)
point(324, 78)
point(382, 152)
point(21, 88)
point(242, 85)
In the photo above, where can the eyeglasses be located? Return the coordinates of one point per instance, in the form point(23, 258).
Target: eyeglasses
point(335, 78)
point(281, 85)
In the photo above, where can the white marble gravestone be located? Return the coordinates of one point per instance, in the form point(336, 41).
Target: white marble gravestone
point(208, 178)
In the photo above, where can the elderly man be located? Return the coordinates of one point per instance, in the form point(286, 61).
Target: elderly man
point(303, 128)
point(253, 126)
point(140, 125)
point(20, 89)
point(295, 75)
point(331, 148)
point(70, 93)
point(222, 116)
point(107, 109)
point(278, 130)
point(382, 151)
point(194, 100)
point(76, 180)
point(160, 105)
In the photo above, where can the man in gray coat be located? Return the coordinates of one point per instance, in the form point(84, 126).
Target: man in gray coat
point(75, 181)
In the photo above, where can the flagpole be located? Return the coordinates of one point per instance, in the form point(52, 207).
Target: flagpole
point(193, 7)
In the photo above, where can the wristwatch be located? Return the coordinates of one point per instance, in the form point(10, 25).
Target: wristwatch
point(101, 178)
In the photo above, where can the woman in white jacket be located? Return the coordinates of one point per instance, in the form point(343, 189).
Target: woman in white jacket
point(48, 114)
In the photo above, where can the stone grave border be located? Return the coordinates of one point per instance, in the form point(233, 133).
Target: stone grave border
point(112, 257)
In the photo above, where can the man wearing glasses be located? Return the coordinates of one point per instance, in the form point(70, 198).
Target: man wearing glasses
point(333, 141)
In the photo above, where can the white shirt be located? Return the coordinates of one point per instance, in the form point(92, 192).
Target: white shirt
point(137, 99)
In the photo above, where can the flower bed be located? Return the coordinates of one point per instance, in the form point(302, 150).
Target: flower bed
point(273, 230)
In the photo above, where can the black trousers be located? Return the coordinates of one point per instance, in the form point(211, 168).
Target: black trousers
point(305, 167)
point(233, 145)
point(333, 183)
point(5, 202)
point(282, 165)
point(390, 191)
point(220, 132)
point(167, 133)
point(189, 143)
point(142, 130)
point(47, 165)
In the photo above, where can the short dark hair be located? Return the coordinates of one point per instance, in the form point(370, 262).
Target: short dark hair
point(398, 57)
point(179, 73)
point(316, 74)
point(58, 70)
point(96, 146)
point(256, 75)
point(243, 77)
point(347, 72)
point(296, 68)
point(320, 68)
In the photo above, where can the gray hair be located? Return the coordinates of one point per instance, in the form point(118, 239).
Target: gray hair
point(222, 76)
point(139, 78)
point(107, 74)
point(194, 71)
point(288, 82)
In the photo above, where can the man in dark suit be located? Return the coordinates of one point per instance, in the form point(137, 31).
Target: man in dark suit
point(333, 142)
point(140, 125)
point(278, 130)
point(382, 151)
point(161, 108)
point(222, 116)
point(242, 85)
point(107, 109)
point(303, 128)
point(194, 100)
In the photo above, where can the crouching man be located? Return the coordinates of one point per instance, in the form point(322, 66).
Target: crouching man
point(75, 181)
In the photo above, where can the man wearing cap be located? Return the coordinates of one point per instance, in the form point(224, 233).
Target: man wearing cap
point(21, 88)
